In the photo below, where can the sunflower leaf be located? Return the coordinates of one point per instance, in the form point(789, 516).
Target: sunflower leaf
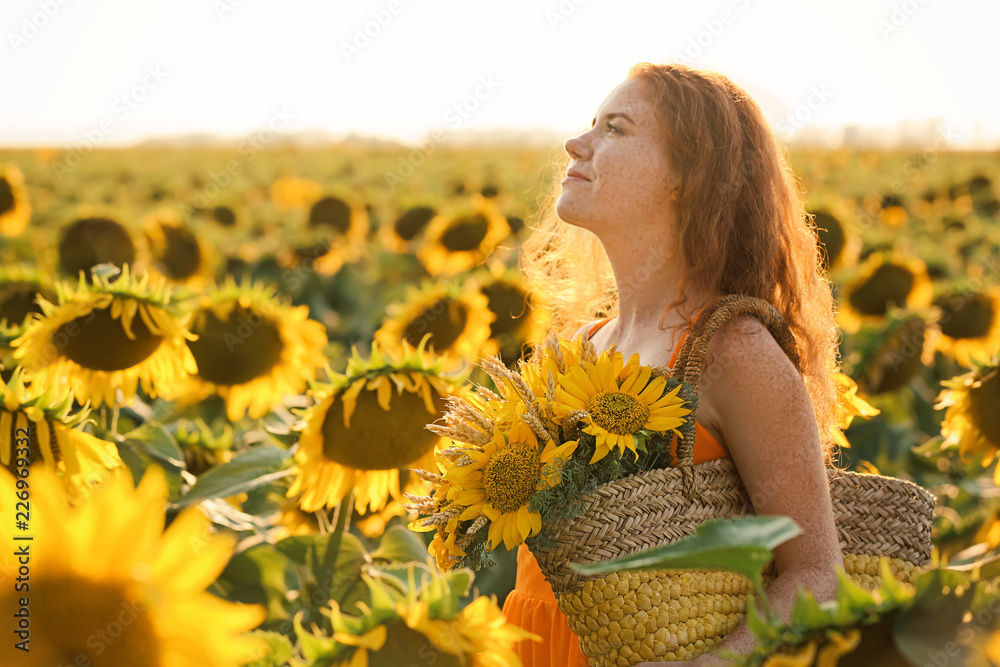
point(247, 471)
point(400, 545)
point(153, 439)
point(740, 545)
point(280, 649)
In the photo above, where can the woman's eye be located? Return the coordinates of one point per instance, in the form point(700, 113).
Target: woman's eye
point(614, 128)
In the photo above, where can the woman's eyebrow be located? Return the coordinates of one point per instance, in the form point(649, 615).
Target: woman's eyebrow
point(612, 115)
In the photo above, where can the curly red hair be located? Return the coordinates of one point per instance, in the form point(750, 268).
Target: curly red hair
point(742, 227)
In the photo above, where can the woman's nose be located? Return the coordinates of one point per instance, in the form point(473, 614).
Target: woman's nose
point(577, 148)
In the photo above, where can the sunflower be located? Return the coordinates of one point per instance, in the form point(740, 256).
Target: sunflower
point(292, 192)
point(108, 335)
point(424, 620)
point(336, 235)
point(971, 419)
point(15, 211)
point(838, 247)
point(620, 401)
point(969, 325)
point(252, 349)
point(897, 353)
point(892, 214)
point(849, 406)
point(177, 251)
point(519, 316)
point(399, 236)
point(374, 523)
point(51, 434)
point(19, 287)
point(368, 443)
point(454, 244)
point(224, 215)
point(884, 282)
point(457, 319)
point(108, 584)
point(202, 448)
point(500, 479)
point(92, 240)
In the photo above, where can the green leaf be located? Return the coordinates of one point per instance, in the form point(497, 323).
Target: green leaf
point(280, 649)
point(853, 601)
point(807, 612)
point(258, 575)
point(345, 582)
point(249, 470)
point(153, 439)
point(740, 545)
point(400, 545)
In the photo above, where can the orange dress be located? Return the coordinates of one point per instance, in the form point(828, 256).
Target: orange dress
point(532, 604)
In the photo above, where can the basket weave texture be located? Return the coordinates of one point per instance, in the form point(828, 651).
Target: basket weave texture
point(625, 618)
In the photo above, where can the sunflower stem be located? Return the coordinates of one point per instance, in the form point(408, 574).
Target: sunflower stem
point(114, 417)
point(324, 578)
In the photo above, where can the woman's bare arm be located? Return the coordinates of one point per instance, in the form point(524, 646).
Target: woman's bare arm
point(760, 404)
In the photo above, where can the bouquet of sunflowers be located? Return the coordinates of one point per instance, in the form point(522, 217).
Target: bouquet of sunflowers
point(566, 422)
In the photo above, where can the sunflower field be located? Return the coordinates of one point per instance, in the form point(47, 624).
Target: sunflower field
point(221, 368)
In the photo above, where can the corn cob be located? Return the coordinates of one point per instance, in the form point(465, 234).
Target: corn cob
point(863, 570)
point(630, 617)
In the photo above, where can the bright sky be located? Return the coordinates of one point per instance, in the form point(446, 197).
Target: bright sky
point(123, 70)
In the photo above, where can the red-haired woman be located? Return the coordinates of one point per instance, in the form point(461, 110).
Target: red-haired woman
point(678, 194)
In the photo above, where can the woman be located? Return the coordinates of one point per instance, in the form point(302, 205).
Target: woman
point(678, 194)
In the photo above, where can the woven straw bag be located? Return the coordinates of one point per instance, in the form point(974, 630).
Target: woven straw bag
point(625, 618)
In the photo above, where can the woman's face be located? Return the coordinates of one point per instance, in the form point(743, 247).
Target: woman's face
point(626, 175)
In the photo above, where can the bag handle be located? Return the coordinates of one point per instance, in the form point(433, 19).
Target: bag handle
point(691, 359)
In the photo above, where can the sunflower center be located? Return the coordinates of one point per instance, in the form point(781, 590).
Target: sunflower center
point(888, 284)
point(968, 315)
point(511, 475)
point(238, 350)
point(508, 303)
point(6, 196)
point(465, 233)
point(98, 342)
point(410, 223)
point(445, 321)
point(182, 256)
point(17, 299)
point(331, 212)
point(34, 449)
point(224, 216)
point(830, 233)
point(402, 643)
point(900, 360)
point(379, 439)
point(617, 412)
point(73, 617)
point(984, 407)
point(94, 241)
